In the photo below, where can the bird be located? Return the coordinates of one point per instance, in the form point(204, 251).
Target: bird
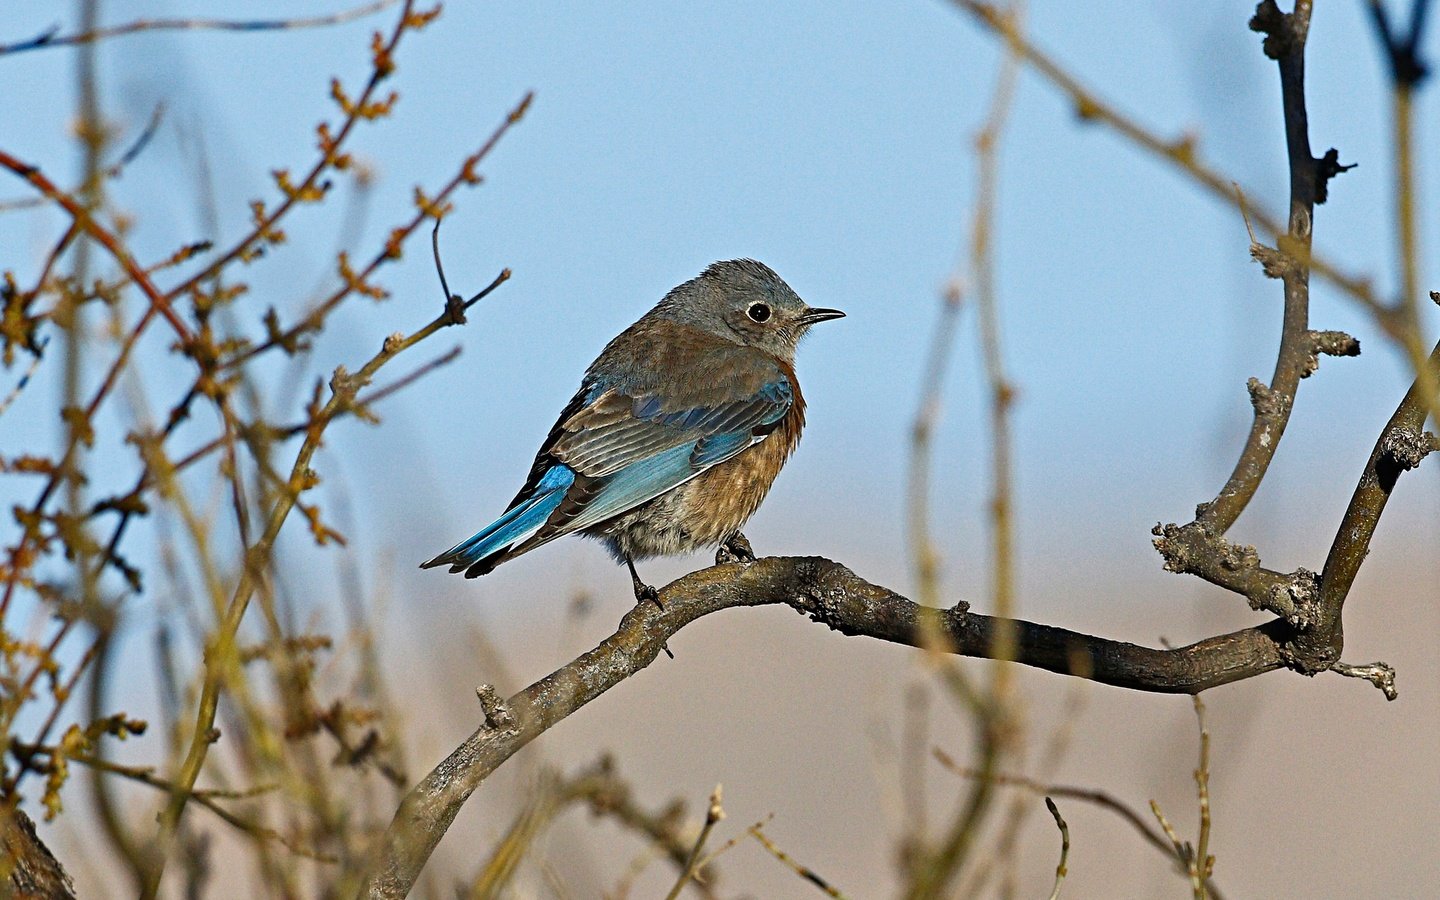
point(676, 434)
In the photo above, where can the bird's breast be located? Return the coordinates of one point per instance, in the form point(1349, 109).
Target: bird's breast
point(725, 496)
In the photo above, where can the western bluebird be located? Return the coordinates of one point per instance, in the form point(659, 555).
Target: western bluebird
point(676, 434)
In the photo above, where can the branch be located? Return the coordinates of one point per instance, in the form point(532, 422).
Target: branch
point(1285, 43)
point(826, 592)
point(86, 221)
point(1099, 798)
point(1181, 152)
point(1401, 446)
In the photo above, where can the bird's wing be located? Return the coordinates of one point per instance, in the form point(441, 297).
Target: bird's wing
point(625, 450)
point(615, 448)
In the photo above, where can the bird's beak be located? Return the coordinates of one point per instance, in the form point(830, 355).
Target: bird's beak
point(819, 314)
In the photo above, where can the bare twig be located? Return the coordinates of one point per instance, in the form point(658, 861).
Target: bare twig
point(713, 815)
point(1064, 846)
point(1272, 403)
point(1180, 152)
point(1380, 674)
point(1104, 800)
point(756, 831)
point(52, 37)
point(1202, 864)
point(20, 385)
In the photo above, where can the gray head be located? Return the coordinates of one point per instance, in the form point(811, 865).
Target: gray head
point(744, 301)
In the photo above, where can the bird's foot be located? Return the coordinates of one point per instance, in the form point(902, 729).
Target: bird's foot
point(643, 591)
point(736, 548)
point(647, 593)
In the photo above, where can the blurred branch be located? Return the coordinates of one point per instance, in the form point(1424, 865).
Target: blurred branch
point(207, 798)
point(1202, 864)
point(52, 37)
point(1407, 73)
point(111, 171)
point(159, 302)
point(1104, 800)
point(931, 869)
point(713, 814)
point(1060, 871)
point(606, 794)
point(1402, 50)
point(924, 555)
point(1181, 152)
point(757, 831)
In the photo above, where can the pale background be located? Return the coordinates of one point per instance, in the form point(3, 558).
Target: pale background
point(833, 141)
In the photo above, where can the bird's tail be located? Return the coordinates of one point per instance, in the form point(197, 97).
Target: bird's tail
point(485, 550)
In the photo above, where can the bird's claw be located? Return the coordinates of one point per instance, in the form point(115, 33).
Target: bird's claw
point(647, 592)
point(736, 548)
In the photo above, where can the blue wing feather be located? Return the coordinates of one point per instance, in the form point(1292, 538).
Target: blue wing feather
point(636, 483)
point(652, 476)
point(612, 451)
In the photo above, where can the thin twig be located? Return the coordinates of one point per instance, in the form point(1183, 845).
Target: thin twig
point(1098, 798)
point(1060, 870)
point(803, 871)
point(30, 370)
point(344, 389)
point(1203, 863)
point(52, 37)
point(1180, 152)
point(712, 816)
point(207, 798)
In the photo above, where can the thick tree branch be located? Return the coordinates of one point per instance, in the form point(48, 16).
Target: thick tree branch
point(826, 592)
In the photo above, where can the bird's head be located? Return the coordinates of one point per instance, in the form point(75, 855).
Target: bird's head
point(744, 301)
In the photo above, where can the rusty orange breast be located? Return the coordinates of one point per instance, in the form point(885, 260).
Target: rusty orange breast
point(727, 495)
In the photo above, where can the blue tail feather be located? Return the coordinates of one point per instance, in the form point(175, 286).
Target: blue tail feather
point(518, 523)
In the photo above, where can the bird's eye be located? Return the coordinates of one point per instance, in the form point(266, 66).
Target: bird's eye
point(758, 312)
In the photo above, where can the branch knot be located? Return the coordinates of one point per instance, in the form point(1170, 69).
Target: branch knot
point(1296, 597)
point(1285, 33)
point(1326, 168)
point(1330, 343)
point(1406, 447)
point(1267, 402)
point(497, 712)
